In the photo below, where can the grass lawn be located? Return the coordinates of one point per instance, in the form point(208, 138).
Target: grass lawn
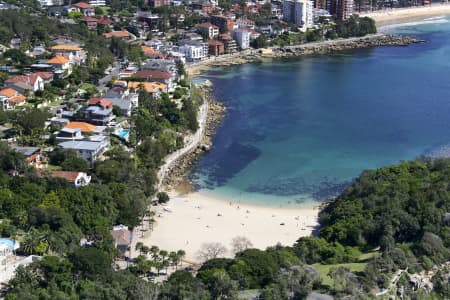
point(324, 269)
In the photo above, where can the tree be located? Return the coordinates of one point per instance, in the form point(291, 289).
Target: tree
point(221, 286)
point(240, 243)
point(211, 250)
point(162, 197)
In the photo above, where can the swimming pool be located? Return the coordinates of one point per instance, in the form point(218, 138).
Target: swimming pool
point(124, 134)
point(7, 245)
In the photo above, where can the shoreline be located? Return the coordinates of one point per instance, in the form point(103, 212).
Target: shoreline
point(295, 51)
point(191, 219)
point(403, 15)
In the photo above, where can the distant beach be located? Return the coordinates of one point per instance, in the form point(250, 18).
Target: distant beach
point(408, 14)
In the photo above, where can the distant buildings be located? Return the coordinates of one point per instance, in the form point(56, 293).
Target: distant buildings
point(298, 12)
point(229, 43)
point(194, 50)
point(97, 2)
point(344, 9)
point(158, 3)
point(51, 2)
point(242, 37)
point(88, 150)
point(78, 179)
point(209, 29)
point(225, 23)
point(216, 48)
point(85, 8)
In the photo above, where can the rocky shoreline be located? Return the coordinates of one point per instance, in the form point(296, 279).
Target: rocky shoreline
point(323, 47)
point(176, 176)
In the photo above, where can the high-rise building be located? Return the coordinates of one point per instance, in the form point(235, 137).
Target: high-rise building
point(342, 9)
point(299, 12)
point(242, 38)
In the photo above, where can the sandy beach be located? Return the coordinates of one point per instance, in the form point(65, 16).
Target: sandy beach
point(197, 218)
point(403, 15)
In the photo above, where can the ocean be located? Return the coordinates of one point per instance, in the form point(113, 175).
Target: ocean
point(301, 130)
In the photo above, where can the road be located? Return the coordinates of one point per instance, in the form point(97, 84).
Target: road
point(102, 83)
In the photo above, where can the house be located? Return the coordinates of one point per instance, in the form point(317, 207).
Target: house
point(152, 53)
point(78, 55)
point(90, 22)
point(124, 35)
point(97, 2)
point(121, 97)
point(46, 76)
point(88, 150)
point(4, 103)
point(68, 134)
point(78, 179)
point(12, 98)
point(154, 88)
point(33, 156)
point(85, 8)
point(61, 65)
point(245, 23)
point(83, 126)
point(158, 3)
point(216, 48)
point(156, 75)
point(210, 30)
point(25, 83)
point(122, 237)
point(98, 112)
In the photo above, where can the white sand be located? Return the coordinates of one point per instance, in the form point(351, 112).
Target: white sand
point(194, 220)
point(402, 15)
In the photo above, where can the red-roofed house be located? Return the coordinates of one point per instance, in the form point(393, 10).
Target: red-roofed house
point(156, 75)
point(101, 102)
point(207, 28)
point(46, 76)
point(25, 83)
point(61, 64)
point(10, 98)
point(37, 160)
point(117, 34)
point(90, 22)
point(85, 8)
point(77, 178)
point(152, 53)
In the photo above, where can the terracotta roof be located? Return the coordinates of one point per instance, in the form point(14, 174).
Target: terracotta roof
point(118, 34)
point(66, 48)
point(89, 19)
point(85, 127)
point(83, 5)
point(102, 21)
point(44, 75)
point(58, 60)
point(152, 74)
point(28, 79)
point(33, 157)
point(207, 25)
point(8, 92)
point(149, 51)
point(70, 176)
point(149, 87)
point(100, 101)
point(16, 99)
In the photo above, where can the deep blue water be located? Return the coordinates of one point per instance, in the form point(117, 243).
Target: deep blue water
point(300, 130)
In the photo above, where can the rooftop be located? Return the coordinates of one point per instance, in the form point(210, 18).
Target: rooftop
point(85, 127)
point(83, 5)
point(8, 92)
point(153, 74)
point(66, 48)
point(58, 60)
point(81, 145)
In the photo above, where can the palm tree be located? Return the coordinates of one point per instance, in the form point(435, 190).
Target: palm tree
point(154, 250)
point(174, 258)
point(138, 247)
point(145, 250)
point(181, 254)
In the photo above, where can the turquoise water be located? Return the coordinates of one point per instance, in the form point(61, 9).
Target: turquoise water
point(7, 242)
point(302, 130)
point(123, 134)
